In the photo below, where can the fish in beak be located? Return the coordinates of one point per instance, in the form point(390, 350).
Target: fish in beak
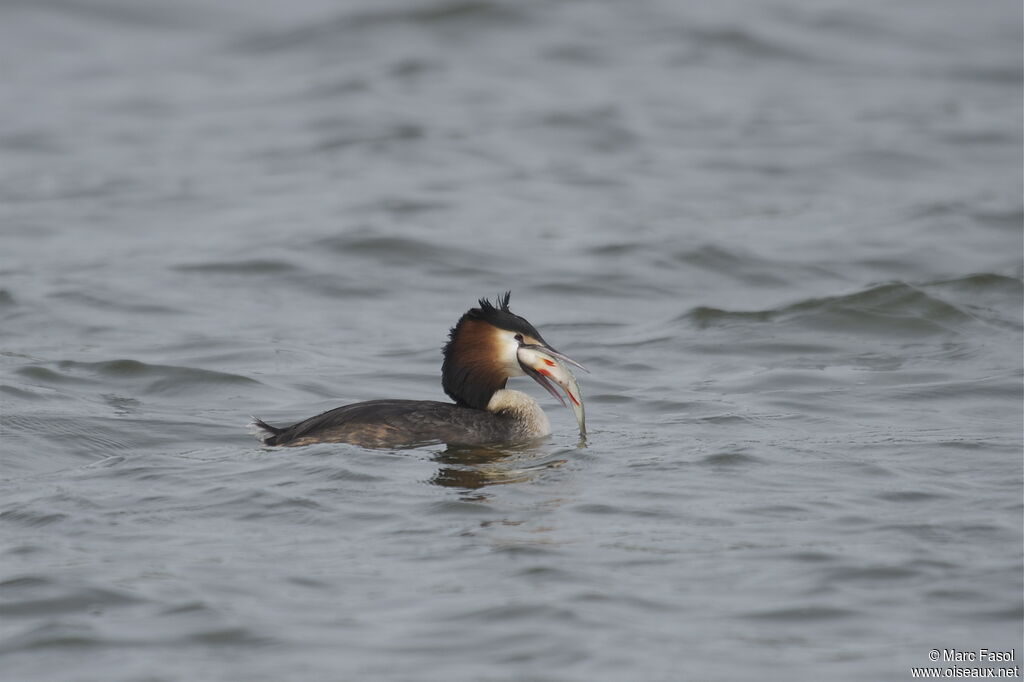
point(545, 365)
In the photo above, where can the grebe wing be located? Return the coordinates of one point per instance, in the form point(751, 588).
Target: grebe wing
point(391, 423)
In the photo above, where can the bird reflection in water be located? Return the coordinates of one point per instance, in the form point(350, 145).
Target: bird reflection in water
point(472, 467)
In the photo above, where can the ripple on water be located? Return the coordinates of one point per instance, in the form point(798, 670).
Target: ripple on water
point(45, 375)
point(461, 15)
point(53, 635)
point(77, 436)
point(258, 267)
point(887, 310)
point(803, 614)
point(136, 377)
point(615, 510)
point(870, 574)
point(117, 302)
point(910, 496)
point(402, 251)
point(746, 267)
point(729, 460)
point(1005, 220)
point(777, 511)
point(30, 518)
point(526, 611)
point(41, 597)
point(812, 557)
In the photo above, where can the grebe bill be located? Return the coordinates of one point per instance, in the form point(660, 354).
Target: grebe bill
point(487, 346)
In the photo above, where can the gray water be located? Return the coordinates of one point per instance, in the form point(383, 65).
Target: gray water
point(784, 235)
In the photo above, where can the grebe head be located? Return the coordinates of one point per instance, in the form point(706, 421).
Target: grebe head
point(489, 344)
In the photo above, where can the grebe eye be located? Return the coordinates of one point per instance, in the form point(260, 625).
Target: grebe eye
point(519, 338)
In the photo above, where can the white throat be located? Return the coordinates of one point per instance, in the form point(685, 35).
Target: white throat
point(523, 409)
point(508, 353)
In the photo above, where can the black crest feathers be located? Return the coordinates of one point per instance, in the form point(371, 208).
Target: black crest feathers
point(499, 315)
point(502, 301)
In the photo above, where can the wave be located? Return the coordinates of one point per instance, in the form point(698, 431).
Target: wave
point(144, 378)
point(473, 15)
point(892, 309)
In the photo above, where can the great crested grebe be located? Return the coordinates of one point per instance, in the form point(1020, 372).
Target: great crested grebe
point(488, 345)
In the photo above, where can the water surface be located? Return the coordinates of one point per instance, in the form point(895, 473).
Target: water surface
point(785, 236)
